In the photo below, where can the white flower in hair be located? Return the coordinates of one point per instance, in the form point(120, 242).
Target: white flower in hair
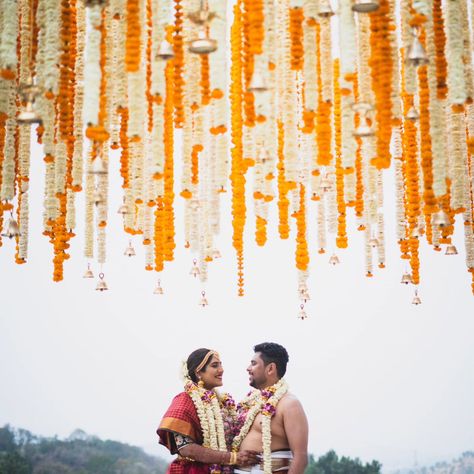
point(184, 371)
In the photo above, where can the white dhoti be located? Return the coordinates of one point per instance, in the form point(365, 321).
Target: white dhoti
point(280, 462)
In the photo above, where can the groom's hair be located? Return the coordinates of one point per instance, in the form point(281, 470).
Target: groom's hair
point(273, 352)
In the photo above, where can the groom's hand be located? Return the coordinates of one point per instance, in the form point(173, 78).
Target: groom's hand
point(247, 458)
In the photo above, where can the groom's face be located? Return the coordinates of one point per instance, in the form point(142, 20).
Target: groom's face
point(257, 372)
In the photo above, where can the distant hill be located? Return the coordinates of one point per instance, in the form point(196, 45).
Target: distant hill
point(462, 465)
point(22, 452)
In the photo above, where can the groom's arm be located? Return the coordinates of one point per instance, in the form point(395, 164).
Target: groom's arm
point(296, 429)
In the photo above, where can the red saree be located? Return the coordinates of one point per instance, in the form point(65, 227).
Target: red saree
point(181, 418)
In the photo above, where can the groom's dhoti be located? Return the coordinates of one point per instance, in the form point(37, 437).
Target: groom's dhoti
point(280, 462)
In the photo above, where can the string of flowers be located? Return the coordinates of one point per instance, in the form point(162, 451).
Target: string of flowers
point(265, 402)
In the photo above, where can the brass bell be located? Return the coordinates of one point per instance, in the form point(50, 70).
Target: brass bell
point(12, 229)
point(406, 279)
point(363, 130)
point(98, 197)
point(203, 16)
point(365, 6)
point(325, 184)
point(28, 115)
point(88, 273)
point(412, 114)
point(93, 3)
point(216, 254)
point(203, 301)
point(194, 270)
point(304, 295)
point(123, 209)
point(302, 313)
point(165, 51)
point(325, 10)
point(373, 242)
point(158, 290)
point(129, 251)
point(451, 250)
point(362, 108)
point(101, 285)
point(417, 232)
point(416, 53)
point(334, 259)
point(202, 44)
point(416, 299)
point(29, 90)
point(99, 168)
point(258, 83)
point(440, 219)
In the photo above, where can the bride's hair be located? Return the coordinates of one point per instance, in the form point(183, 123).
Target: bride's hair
point(194, 360)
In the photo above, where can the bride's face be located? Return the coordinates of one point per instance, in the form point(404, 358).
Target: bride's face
point(212, 373)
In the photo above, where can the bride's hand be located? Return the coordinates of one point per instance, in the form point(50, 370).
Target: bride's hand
point(247, 458)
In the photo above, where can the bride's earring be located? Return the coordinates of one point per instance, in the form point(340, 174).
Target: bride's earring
point(200, 384)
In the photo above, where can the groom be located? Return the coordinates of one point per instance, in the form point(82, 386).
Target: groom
point(289, 426)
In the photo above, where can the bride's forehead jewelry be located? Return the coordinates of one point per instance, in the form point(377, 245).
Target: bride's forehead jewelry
point(206, 359)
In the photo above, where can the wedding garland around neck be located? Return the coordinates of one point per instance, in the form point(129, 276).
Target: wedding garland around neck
point(264, 402)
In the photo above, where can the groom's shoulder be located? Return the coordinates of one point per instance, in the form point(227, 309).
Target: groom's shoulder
point(289, 401)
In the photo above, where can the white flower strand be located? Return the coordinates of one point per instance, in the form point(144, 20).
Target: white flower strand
point(8, 34)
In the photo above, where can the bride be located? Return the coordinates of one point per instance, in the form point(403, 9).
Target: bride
point(193, 426)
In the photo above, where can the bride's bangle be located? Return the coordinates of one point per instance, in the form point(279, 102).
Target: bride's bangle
point(233, 458)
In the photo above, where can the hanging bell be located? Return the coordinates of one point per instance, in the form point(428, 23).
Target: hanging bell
point(441, 219)
point(158, 290)
point(12, 229)
point(258, 83)
point(334, 259)
point(101, 285)
point(362, 108)
point(373, 242)
point(28, 115)
point(417, 232)
point(194, 270)
point(203, 301)
point(412, 114)
point(88, 273)
point(202, 44)
point(451, 250)
point(304, 295)
point(365, 6)
point(325, 10)
point(203, 16)
point(129, 251)
point(165, 51)
point(363, 130)
point(216, 254)
point(123, 209)
point(28, 90)
point(97, 198)
point(302, 313)
point(325, 184)
point(406, 279)
point(416, 53)
point(98, 168)
point(416, 299)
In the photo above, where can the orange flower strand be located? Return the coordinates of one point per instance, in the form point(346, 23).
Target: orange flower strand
point(261, 231)
point(381, 65)
point(178, 46)
point(296, 38)
point(341, 239)
point(237, 175)
point(440, 57)
point(132, 40)
point(169, 231)
point(302, 254)
point(283, 202)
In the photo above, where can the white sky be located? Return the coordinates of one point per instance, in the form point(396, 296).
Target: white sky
point(378, 377)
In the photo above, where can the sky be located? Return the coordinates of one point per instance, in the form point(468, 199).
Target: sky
point(378, 377)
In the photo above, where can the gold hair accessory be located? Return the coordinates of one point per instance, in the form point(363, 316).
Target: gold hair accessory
point(205, 360)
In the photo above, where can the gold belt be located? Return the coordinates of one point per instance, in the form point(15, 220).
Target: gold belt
point(277, 465)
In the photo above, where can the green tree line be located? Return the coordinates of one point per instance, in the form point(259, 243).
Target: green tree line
point(22, 452)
